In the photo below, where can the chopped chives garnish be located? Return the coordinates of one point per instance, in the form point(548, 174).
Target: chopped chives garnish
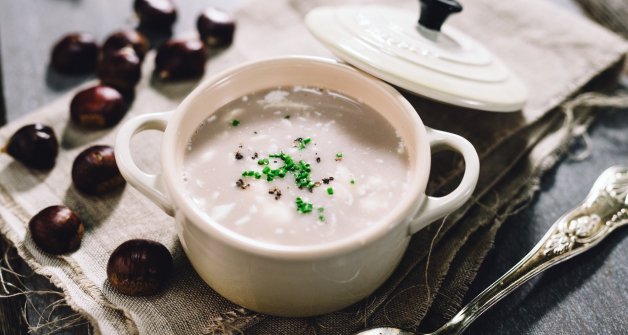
point(321, 217)
point(301, 171)
point(303, 142)
point(235, 123)
point(352, 182)
point(302, 206)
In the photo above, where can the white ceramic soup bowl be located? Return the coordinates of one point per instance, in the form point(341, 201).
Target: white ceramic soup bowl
point(294, 280)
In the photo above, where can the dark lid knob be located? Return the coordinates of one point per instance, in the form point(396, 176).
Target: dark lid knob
point(435, 12)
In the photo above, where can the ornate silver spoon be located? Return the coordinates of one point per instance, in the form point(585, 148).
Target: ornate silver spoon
point(603, 210)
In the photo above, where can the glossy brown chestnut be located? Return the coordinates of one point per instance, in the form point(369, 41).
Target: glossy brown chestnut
point(126, 38)
point(97, 107)
point(181, 59)
point(75, 53)
point(34, 145)
point(95, 171)
point(157, 15)
point(139, 267)
point(216, 27)
point(121, 69)
point(56, 230)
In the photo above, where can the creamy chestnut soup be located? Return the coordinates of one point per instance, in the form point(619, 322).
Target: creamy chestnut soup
point(296, 166)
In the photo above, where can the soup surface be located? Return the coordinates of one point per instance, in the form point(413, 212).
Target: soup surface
point(296, 166)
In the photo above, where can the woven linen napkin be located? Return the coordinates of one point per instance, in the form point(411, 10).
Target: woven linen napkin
point(555, 54)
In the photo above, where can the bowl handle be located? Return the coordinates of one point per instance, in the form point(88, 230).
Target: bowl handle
point(151, 185)
point(434, 208)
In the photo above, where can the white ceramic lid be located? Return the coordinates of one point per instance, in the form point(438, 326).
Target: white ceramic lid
point(444, 65)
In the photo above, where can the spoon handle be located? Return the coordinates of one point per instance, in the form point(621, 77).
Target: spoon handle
point(603, 210)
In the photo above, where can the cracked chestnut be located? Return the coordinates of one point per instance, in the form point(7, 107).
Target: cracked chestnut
point(215, 27)
point(97, 107)
point(181, 59)
point(56, 230)
point(139, 267)
point(34, 145)
point(75, 53)
point(95, 172)
point(157, 15)
point(121, 69)
point(126, 38)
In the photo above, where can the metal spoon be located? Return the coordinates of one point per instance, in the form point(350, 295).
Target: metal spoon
point(603, 210)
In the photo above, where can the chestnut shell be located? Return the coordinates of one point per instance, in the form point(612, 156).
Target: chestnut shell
point(75, 53)
point(125, 38)
point(98, 107)
point(95, 172)
point(181, 59)
point(158, 15)
point(56, 230)
point(121, 69)
point(216, 27)
point(139, 267)
point(34, 145)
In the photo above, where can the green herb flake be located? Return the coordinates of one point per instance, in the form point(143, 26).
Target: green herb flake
point(303, 142)
point(235, 123)
point(330, 190)
point(321, 216)
point(352, 182)
point(302, 206)
point(339, 155)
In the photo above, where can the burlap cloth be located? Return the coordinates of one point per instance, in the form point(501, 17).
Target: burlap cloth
point(554, 52)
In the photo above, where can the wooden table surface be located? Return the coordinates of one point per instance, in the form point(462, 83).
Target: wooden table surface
point(583, 296)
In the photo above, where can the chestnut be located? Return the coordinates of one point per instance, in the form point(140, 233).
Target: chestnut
point(95, 172)
point(34, 145)
point(97, 107)
point(156, 14)
point(121, 69)
point(126, 38)
point(215, 27)
point(181, 59)
point(75, 53)
point(139, 267)
point(56, 230)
